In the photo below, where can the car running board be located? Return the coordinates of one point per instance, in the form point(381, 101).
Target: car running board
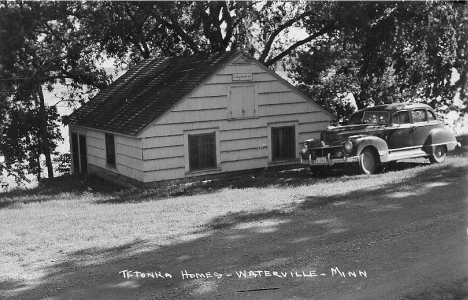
point(402, 154)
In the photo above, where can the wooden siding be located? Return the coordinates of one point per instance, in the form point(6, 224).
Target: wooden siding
point(243, 142)
point(128, 153)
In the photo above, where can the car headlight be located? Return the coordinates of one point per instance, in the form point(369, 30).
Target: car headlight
point(348, 147)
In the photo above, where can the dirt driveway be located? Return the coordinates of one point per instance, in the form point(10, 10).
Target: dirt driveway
point(401, 241)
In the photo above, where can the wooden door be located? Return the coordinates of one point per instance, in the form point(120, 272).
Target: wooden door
point(83, 154)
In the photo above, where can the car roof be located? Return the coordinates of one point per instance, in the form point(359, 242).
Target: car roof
point(396, 107)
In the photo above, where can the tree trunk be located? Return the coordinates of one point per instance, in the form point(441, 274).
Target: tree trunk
point(38, 159)
point(45, 134)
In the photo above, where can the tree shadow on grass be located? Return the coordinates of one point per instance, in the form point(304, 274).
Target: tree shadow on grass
point(11, 284)
point(426, 179)
point(249, 179)
point(191, 187)
point(116, 194)
point(231, 220)
point(74, 262)
point(76, 183)
point(54, 188)
point(317, 234)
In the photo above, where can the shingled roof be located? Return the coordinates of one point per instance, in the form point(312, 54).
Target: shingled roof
point(147, 91)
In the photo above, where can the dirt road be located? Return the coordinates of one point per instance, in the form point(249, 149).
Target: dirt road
point(400, 241)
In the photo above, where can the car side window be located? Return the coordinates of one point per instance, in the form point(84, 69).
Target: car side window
point(431, 116)
point(419, 115)
point(401, 117)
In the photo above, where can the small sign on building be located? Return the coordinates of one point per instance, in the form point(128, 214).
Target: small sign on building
point(242, 77)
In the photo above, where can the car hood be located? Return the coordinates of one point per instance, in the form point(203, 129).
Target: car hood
point(336, 135)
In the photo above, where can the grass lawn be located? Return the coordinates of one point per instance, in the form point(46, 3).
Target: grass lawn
point(47, 226)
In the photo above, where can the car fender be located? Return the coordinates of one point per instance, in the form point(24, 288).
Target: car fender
point(440, 136)
point(377, 143)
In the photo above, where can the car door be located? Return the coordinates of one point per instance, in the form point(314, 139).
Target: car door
point(423, 122)
point(399, 132)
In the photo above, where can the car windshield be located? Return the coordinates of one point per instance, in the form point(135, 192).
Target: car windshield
point(369, 117)
point(376, 117)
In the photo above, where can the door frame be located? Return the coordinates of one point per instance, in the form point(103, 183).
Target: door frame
point(82, 157)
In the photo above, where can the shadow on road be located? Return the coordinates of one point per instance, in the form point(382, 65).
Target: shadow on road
point(398, 234)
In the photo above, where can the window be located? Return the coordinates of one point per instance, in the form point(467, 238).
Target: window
point(110, 150)
point(202, 151)
point(431, 116)
point(401, 117)
point(283, 142)
point(418, 115)
point(242, 102)
point(356, 118)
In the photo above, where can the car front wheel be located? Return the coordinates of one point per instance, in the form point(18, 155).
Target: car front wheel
point(438, 155)
point(367, 162)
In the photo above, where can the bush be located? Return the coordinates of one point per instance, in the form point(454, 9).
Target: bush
point(63, 163)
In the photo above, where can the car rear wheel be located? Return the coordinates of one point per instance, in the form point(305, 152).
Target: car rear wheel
point(438, 155)
point(367, 162)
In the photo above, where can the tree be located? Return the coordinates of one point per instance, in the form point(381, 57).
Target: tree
point(131, 31)
point(23, 143)
point(394, 51)
point(419, 46)
point(41, 46)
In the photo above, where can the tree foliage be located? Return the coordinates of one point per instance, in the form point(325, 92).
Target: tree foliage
point(131, 31)
point(378, 51)
point(394, 51)
point(23, 143)
point(41, 46)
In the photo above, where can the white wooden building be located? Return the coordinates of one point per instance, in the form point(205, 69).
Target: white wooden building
point(188, 116)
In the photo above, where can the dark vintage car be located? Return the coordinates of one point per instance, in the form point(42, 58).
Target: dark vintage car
point(378, 135)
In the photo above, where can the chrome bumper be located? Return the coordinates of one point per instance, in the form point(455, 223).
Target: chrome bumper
point(328, 161)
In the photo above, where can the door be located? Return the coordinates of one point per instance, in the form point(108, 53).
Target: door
point(83, 154)
point(79, 153)
point(75, 151)
point(399, 133)
point(242, 102)
point(423, 123)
